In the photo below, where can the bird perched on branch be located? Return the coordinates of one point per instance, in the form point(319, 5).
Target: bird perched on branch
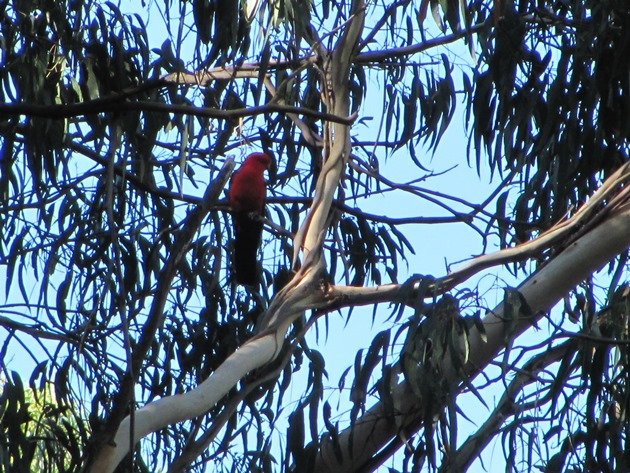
point(246, 197)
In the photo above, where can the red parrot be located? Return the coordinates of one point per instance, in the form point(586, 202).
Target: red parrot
point(246, 197)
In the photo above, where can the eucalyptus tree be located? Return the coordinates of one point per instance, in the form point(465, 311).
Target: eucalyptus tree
point(120, 127)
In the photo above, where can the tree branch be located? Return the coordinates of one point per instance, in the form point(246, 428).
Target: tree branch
point(171, 409)
point(118, 103)
point(337, 140)
point(389, 54)
point(359, 443)
point(300, 294)
point(154, 320)
point(614, 191)
point(506, 407)
point(38, 333)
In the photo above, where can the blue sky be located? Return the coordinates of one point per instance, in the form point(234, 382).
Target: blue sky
point(436, 245)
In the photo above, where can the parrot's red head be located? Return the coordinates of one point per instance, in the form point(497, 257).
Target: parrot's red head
point(260, 159)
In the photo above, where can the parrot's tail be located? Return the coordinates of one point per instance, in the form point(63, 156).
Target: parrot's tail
point(248, 233)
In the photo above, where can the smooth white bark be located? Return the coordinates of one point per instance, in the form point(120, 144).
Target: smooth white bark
point(169, 410)
point(375, 429)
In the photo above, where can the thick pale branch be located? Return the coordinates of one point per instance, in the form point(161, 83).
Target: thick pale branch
point(348, 296)
point(542, 291)
point(288, 305)
point(300, 293)
point(180, 246)
point(195, 447)
point(171, 409)
point(337, 140)
point(588, 216)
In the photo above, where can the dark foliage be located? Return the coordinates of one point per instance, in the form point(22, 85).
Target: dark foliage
point(94, 204)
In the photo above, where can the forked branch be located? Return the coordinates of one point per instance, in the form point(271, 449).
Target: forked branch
point(303, 292)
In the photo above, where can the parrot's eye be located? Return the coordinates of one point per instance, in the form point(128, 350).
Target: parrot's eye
point(264, 159)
